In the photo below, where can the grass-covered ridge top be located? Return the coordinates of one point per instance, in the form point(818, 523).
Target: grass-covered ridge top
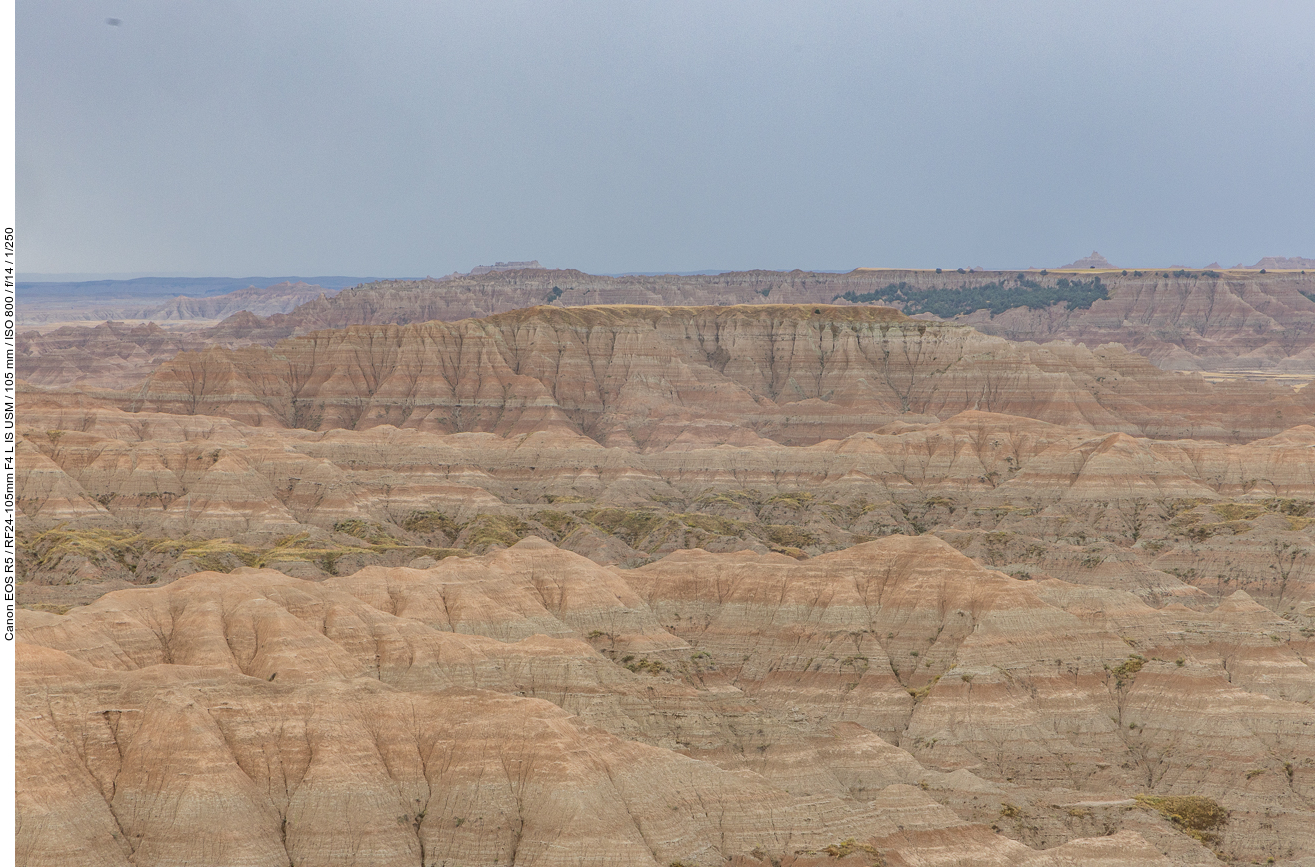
point(996, 297)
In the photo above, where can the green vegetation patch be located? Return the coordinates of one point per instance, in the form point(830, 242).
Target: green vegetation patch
point(849, 512)
point(557, 522)
point(1291, 508)
point(797, 500)
point(790, 537)
point(563, 499)
point(1237, 511)
point(219, 555)
point(52, 546)
point(1174, 508)
point(842, 849)
point(1127, 670)
point(713, 524)
point(369, 531)
point(1195, 815)
point(643, 666)
point(630, 526)
point(995, 297)
point(209, 555)
point(488, 530)
point(431, 522)
point(739, 499)
point(849, 847)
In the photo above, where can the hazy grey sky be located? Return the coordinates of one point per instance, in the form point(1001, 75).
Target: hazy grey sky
point(412, 138)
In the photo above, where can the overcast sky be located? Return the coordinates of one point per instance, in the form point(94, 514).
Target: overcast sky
point(413, 138)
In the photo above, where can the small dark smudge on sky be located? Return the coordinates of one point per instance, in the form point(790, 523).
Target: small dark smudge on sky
point(114, 22)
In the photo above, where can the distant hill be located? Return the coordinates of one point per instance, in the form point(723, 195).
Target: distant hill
point(165, 299)
point(1180, 319)
point(166, 287)
point(279, 298)
point(1095, 260)
point(1285, 263)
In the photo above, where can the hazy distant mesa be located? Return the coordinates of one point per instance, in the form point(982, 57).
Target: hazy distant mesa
point(1230, 323)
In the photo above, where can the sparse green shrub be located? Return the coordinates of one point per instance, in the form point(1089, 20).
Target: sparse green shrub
point(645, 665)
point(1126, 671)
point(995, 297)
point(849, 847)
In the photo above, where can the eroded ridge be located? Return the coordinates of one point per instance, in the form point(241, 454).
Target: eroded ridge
point(530, 706)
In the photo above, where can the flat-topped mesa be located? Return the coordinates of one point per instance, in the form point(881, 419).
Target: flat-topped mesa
point(1286, 263)
point(533, 264)
point(637, 377)
point(620, 314)
point(1181, 319)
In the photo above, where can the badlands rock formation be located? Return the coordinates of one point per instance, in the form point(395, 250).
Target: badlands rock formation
point(1095, 260)
point(1181, 319)
point(640, 377)
point(628, 433)
point(115, 354)
point(108, 355)
point(637, 585)
point(530, 707)
point(162, 299)
point(1188, 320)
point(266, 301)
point(1290, 263)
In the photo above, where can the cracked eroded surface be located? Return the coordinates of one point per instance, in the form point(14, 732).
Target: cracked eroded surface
point(530, 706)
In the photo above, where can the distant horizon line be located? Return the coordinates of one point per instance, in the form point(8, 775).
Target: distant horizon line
point(92, 277)
point(124, 277)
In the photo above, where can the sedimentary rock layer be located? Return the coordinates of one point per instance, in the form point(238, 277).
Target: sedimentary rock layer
point(1188, 320)
point(644, 377)
point(45, 304)
point(637, 585)
point(890, 701)
point(1181, 319)
point(112, 496)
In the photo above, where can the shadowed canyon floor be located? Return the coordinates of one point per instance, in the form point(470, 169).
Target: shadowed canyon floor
point(767, 585)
